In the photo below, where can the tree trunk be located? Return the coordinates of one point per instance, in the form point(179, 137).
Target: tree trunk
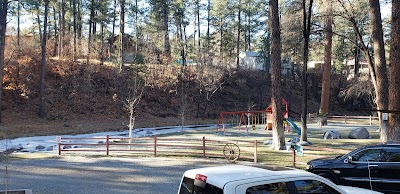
point(3, 25)
point(121, 33)
point(208, 25)
point(238, 37)
point(167, 46)
point(380, 63)
point(102, 24)
point(326, 79)
point(198, 32)
point(75, 28)
point(18, 27)
point(79, 26)
point(394, 69)
point(277, 115)
point(306, 34)
point(137, 26)
point(221, 57)
point(42, 90)
point(113, 28)
point(356, 60)
point(91, 18)
point(62, 29)
point(55, 32)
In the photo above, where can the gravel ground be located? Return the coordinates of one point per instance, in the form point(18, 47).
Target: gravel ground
point(77, 174)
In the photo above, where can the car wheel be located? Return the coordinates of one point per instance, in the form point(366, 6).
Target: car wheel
point(327, 176)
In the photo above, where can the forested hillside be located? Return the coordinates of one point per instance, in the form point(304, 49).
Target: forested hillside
point(73, 66)
point(84, 98)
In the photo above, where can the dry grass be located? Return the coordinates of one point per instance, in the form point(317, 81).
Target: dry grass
point(265, 153)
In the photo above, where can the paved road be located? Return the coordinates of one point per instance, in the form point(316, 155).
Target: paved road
point(77, 174)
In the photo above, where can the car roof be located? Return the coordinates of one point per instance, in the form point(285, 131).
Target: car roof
point(220, 175)
point(386, 145)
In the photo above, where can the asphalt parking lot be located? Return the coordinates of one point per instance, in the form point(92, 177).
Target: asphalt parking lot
point(78, 174)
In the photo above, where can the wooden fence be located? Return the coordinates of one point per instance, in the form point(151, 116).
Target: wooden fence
point(346, 118)
point(158, 146)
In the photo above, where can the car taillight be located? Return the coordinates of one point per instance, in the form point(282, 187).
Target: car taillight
point(201, 178)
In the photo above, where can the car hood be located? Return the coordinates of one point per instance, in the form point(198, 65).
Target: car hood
point(356, 190)
point(324, 160)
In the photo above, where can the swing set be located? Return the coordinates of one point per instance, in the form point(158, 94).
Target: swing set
point(252, 118)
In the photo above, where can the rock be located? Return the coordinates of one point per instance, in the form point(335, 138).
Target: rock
point(149, 132)
point(304, 143)
point(67, 125)
point(359, 133)
point(50, 148)
point(332, 134)
point(40, 147)
point(268, 142)
point(294, 140)
point(66, 147)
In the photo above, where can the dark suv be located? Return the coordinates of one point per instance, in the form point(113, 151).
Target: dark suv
point(374, 167)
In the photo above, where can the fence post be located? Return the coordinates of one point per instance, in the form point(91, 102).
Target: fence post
point(294, 158)
point(255, 151)
point(107, 145)
point(155, 146)
point(204, 147)
point(59, 149)
point(370, 120)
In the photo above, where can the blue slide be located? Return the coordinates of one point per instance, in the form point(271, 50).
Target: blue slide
point(293, 125)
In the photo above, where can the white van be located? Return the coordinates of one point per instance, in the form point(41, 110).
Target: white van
point(241, 179)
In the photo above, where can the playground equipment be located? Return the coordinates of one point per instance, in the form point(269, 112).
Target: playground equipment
point(254, 118)
point(285, 111)
point(293, 125)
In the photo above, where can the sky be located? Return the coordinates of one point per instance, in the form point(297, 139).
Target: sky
point(27, 20)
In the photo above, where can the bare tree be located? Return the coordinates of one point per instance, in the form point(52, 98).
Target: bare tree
point(277, 115)
point(131, 103)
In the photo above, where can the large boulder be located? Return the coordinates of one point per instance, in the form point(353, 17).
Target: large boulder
point(331, 134)
point(359, 133)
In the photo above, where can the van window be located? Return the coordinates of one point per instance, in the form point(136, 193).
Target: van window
point(273, 188)
point(188, 187)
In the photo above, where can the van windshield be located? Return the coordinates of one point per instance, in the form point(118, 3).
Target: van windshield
point(188, 187)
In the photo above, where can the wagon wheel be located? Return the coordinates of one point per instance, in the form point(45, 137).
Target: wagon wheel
point(231, 152)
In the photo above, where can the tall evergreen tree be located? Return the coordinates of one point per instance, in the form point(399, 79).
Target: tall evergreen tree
point(394, 69)
point(3, 27)
point(307, 12)
point(121, 32)
point(161, 10)
point(326, 79)
point(42, 90)
point(381, 87)
point(277, 115)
